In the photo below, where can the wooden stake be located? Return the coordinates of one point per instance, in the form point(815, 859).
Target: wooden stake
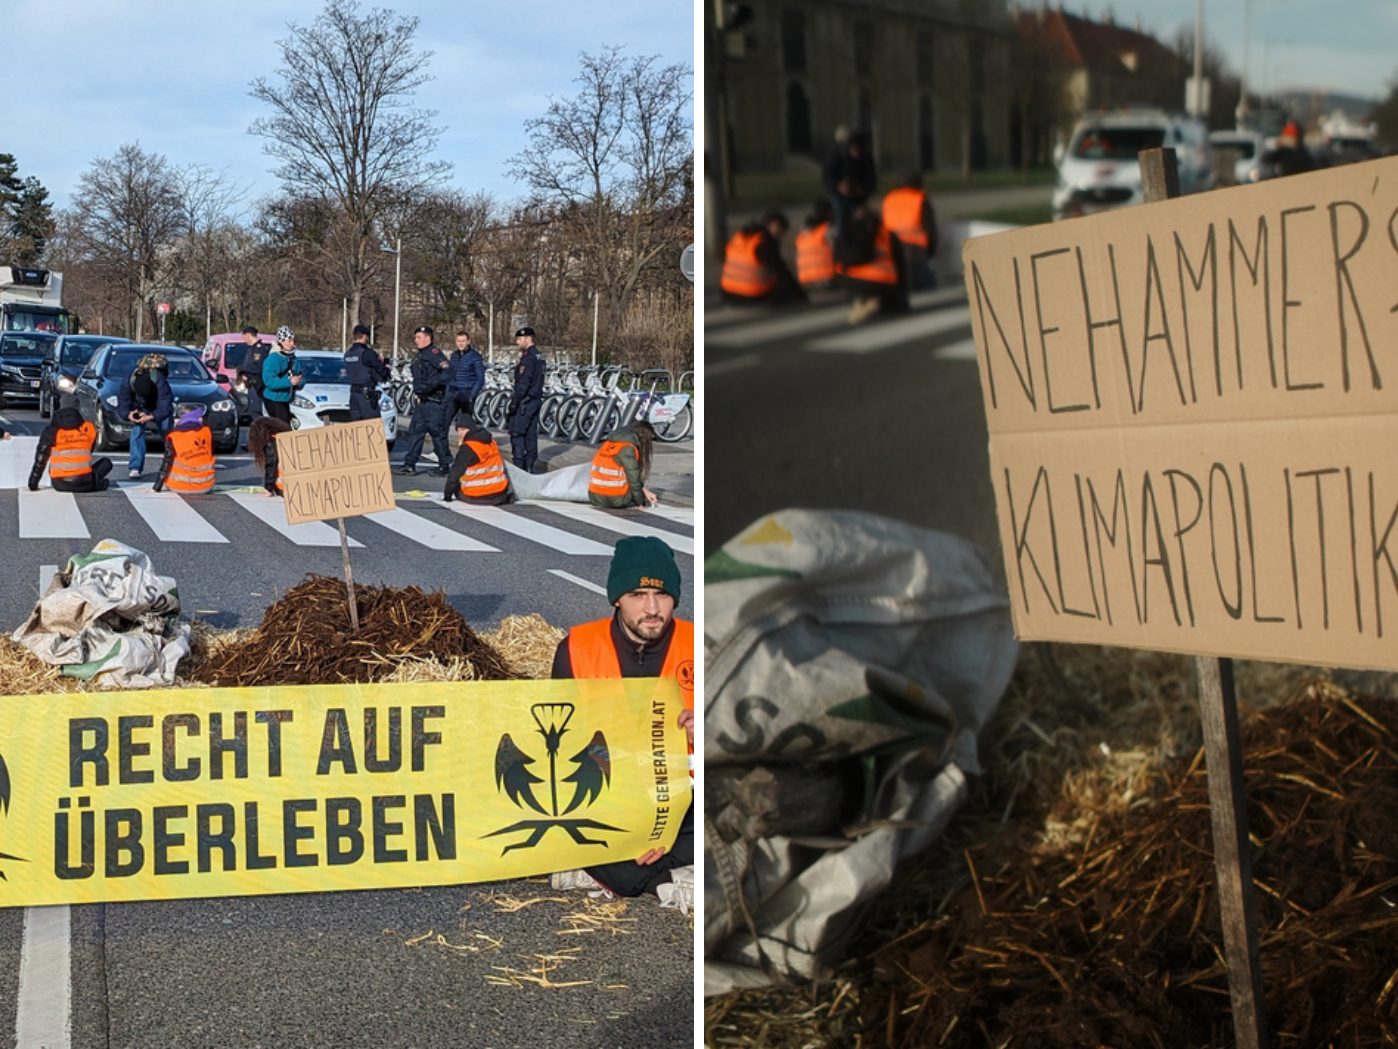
point(1223, 752)
point(349, 576)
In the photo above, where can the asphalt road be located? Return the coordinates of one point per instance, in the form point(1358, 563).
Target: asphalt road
point(885, 416)
point(459, 966)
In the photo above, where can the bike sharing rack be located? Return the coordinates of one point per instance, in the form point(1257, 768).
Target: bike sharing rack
point(1211, 361)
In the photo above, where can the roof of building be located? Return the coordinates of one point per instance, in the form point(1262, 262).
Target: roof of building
point(1099, 47)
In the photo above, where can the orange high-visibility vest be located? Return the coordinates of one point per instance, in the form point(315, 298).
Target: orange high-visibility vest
point(902, 213)
point(193, 468)
point(815, 258)
point(881, 269)
point(72, 451)
point(608, 476)
point(742, 273)
point(488, 476)
point(592, 655)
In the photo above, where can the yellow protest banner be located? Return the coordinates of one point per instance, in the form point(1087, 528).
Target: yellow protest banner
point(227, 792)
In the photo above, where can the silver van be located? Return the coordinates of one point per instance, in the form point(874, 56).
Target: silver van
point(1099, 168)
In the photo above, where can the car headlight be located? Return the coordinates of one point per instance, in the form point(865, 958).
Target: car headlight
point(221, 406)
point(10, 370)
point(303, 402)
point(111, 401)
point(67, 384)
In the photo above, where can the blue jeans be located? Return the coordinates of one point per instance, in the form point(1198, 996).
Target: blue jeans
point(137, 460)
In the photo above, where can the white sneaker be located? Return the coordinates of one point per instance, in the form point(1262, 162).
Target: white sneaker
point(134, 475)
point(579, 879)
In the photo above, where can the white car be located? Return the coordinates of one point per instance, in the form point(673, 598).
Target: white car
point(324, 394)
point(1100, 168)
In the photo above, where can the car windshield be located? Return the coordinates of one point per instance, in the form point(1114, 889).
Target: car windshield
point(77, 352)
point(28, 344)
point(1246, 148)
point(182, 366)
point(1116, 143)
point(323, 369)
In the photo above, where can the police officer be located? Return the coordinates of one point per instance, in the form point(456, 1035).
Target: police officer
point(365, 369)
point(522, 421)
point(250, 371)
point(429, 372)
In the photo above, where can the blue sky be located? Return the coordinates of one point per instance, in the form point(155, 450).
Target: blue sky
point(1337, 45)
point(174, 77)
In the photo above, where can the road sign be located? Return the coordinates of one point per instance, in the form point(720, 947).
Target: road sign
point(163, 308)
point(687, 263)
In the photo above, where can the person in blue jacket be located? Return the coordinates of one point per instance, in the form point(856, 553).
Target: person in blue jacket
point(466, 381)
point(145, 400)
point(280, 376)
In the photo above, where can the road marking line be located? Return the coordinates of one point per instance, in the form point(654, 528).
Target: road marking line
point(16, 459)
point(272, 513)
point(621, 525)
point(580, 582)
point(679, 514)
point(428, 533)
point(46, 574)
point(47, 514)
point(171, 518)
point(965, 350)
point(42, 1019)
point(747, 360)
point(776, 328)
point(525, 528)
point(892, 333)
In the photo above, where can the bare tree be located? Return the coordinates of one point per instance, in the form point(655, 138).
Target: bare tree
point(614, 164)
point(129, 213)
point(342, 128)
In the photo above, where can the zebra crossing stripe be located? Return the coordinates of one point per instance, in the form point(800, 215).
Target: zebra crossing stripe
point(682, 515)
point(585, 584)
point(590, 515)
point(535, 532)
point(272, 513)
point(429, 533)
point(47, 514)
point(171, 518)
point(16, 459)
point(893, 333)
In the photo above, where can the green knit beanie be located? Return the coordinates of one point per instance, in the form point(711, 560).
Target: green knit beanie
point(642, 561)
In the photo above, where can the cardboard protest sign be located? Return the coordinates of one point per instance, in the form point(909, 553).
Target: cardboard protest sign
point(221, 792)
point(1193, 416)
point(335, 471)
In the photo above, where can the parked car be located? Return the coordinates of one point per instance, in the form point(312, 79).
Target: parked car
point(224, 354)
point(1100, 168)
point(65, 360)
point(190, 383)
point(323, 396)
point(21, 359)
point(1247, 148)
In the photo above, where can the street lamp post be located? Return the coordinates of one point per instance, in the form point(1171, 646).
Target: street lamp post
point(397, 252)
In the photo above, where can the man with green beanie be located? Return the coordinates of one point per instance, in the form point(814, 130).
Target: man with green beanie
point(641, 638)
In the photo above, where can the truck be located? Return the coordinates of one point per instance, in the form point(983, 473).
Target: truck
point(32, 300)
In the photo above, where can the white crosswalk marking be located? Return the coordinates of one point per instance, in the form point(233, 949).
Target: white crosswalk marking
point(272, 513)
point(16, 459)
point(429, 533)
point(965, 350)
point(47, 514)
point(171, 518)
point(679, 514)
point(525, 528)
point(893, 333)
point(765, 329)
point(579, 582)
point(621, 525)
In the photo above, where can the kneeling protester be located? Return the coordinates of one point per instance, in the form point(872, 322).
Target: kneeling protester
point(189, 455)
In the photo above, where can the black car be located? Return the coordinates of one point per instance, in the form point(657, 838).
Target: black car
point(21, 357)
point(65, 360)
point(190, 383)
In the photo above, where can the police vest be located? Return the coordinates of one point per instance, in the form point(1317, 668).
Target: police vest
point(881, 269)
point(356, 371)
point(72, 451)
point(608, 477)
point(193, 468)
point(488, 476)
point(902, 213)
point(593, 655)
point(742, 273)
point(815, 258)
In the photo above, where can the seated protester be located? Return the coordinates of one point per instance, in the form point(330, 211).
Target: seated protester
point(65, 447)
point(641, 638)
point(753, 267)
point(621, 468)
point(880, 284)
point(815, 248)
point(262, 442)
point(189, 456)
point(477, 474)
point(907, 212)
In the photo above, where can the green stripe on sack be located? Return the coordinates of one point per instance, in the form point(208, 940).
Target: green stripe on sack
point(722, 567)
point(87, 671)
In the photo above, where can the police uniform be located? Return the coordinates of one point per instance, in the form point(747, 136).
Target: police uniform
point(523, 418)
point(364, 369)
point(429, 374)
